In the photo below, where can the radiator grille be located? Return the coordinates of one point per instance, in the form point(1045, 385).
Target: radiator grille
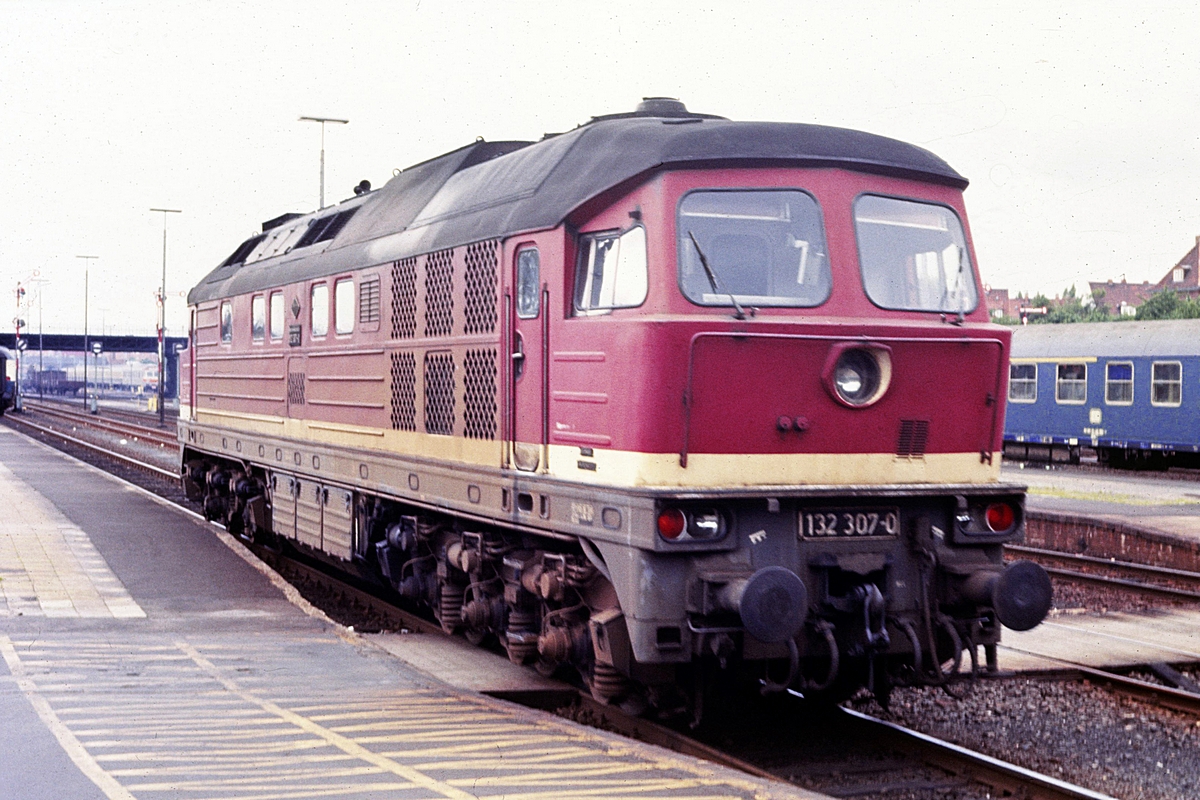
point(404, 392)
point(479, 308)
point(404, 298)
point(479, 404)
point(913, 435)
point(439, 293)
point(439, 392)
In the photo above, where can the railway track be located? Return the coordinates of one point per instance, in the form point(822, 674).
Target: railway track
point(122, 423)
point(1145, 579)
point(896, 758)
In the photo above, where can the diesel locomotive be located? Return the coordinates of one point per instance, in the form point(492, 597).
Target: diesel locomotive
point(661, 399)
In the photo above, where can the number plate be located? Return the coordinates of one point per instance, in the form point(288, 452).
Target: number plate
point(826, 523)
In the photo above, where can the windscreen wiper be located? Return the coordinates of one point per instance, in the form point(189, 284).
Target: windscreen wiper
point(712, 278)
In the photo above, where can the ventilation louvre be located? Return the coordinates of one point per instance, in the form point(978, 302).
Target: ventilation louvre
point(404, 392)
point(913, 435)
point(479, 307)
point(439, 392)
point(439, 293)
point(479, 403)
point(404, 298)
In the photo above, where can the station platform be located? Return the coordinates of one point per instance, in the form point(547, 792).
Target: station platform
point(145, 654)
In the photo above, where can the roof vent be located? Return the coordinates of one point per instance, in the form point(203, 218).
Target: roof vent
point(662, 107)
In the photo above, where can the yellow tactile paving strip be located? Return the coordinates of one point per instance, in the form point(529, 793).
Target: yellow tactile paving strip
point(48, 566)
point(181, 719)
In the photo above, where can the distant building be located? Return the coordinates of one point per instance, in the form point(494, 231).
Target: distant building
point(1183, 278)
point(999, 304)
point(1119, 297)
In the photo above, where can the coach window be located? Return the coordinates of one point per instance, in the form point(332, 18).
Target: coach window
point(529, 279)
point(1022, 383)
point(277, 316)
point(1072, 383)
point(1118, 383)
point(258, 318)
point(612, 271)
point(226, 321)
point(1166, 383)
point(320, 309)
point(343, 306)
point(752, 248)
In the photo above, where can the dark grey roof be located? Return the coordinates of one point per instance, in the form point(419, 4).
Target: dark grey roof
point(1172, 337)
point(488, 190)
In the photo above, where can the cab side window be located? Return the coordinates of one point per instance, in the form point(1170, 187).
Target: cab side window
point(612, 271)
point(226, 322)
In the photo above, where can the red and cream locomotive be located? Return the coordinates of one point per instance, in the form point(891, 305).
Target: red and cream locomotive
point(659, 398)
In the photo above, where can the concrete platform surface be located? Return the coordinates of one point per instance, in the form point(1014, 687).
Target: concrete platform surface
point(222, 687)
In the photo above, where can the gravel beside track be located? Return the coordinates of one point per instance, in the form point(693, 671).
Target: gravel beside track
point(1078, 732)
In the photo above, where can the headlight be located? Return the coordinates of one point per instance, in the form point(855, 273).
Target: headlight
point(858, 376)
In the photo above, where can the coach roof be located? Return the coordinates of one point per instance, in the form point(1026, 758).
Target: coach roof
point(1129, 339)
point(495, 189)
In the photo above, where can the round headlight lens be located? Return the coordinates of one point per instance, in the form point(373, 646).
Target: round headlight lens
point(856, 377)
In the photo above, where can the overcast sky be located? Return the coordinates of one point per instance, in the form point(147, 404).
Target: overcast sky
point(1076, 123)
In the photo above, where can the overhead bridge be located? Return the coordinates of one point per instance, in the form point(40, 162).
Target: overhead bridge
point(75, 343)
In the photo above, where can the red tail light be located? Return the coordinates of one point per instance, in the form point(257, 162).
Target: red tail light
point(671, 523)
point(1000, 517)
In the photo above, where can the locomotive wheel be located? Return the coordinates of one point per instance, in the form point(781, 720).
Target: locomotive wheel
point(474, 635)
point(545, 667)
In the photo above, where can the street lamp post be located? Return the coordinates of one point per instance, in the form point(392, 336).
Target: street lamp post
point(162, 315)
point(323, 120)
point(41, 367)
point(86, 264)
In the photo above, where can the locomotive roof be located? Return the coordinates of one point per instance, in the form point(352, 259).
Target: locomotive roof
point(495, 189)
point(1173, 337)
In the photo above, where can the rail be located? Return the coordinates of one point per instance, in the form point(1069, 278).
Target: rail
point(150, 434)
point(1178, 576)
point(15, 421)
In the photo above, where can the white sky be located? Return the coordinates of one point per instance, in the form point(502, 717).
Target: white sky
point(1075, 122)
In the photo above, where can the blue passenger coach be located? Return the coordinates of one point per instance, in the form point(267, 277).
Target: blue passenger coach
point(1129, 390)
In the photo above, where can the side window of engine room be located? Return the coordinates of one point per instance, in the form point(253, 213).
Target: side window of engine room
point(343, 306)
point(258, 318)
point(612, 271)
point(319, 305)
point(752, 248)
point(1022, 383)
point(277, 316)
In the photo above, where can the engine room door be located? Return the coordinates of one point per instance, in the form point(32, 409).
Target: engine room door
point(529, 316)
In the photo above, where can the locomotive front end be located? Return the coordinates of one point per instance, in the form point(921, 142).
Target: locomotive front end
point(833, 515)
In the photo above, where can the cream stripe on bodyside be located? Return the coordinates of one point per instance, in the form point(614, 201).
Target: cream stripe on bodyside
point(623, 468)
point(712, 471)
